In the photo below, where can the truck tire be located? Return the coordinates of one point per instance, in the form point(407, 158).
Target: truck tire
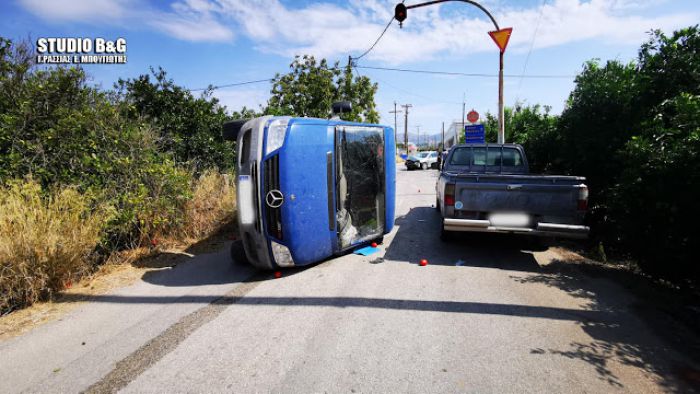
point(238, 256)
point(445, 236)
point(424, 166)
point(437, 203)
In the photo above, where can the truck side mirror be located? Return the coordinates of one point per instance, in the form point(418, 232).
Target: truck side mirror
point(231, 129)
point(341, 107)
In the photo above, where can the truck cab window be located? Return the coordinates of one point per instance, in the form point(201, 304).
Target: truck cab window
point(512, 158)
point(479, 156)
point(493, 158)
point(461, 157)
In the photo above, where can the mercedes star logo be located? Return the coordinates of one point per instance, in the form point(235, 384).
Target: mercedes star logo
point(274, 198)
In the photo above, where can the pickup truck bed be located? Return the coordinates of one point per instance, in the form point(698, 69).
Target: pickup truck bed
point(472, 199)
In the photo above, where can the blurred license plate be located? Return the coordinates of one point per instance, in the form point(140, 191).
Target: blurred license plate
point(509, 219)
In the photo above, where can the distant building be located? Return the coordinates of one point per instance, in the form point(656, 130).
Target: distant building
point(453, 133)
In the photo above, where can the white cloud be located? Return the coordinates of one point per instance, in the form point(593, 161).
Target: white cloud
point(327, 29)
point(77, 10)
point(190, 20)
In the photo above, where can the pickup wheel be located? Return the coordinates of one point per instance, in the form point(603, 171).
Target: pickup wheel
point(437, 203)
point(424, 166)
point(445, 236)
point(238, 256)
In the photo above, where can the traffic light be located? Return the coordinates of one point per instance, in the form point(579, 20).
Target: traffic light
point(400, 12)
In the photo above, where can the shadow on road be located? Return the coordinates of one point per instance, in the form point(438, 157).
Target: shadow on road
point(634, 332)
point(616, 321)
point(418, 237)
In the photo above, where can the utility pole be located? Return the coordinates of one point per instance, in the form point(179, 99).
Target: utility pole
point(464, 108)
point(501, 122)
point(395, 112)
point(405, 125)
point(417, 136)
point(442, 146)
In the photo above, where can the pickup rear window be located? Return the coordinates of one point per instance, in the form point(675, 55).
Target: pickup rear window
point(491, 156)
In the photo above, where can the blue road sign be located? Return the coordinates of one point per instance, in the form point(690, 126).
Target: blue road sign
point(474, 133)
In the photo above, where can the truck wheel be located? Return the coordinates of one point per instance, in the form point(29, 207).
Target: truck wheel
point(437, 204)
point(424, 166)
point(238, 256)
point(445, 236)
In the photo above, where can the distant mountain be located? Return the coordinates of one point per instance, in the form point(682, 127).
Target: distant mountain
point(425, 138)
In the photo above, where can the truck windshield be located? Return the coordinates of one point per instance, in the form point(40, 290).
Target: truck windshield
point(360, 183)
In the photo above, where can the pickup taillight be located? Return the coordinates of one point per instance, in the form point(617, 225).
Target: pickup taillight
point(582, 203)
point(449, 195)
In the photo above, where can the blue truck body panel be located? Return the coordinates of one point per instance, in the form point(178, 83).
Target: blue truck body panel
point(310, 231)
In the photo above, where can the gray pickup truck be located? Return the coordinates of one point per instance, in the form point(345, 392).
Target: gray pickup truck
point(488, 188)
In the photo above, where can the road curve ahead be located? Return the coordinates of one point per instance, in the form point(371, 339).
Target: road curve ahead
point(488, 314)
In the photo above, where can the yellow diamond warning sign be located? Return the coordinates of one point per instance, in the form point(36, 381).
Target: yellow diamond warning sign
point(501, 37)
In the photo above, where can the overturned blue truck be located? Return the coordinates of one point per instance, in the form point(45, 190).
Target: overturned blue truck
point(310, 188)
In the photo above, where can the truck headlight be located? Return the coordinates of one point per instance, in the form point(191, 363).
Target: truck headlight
point(276, 131)
point(283, 257)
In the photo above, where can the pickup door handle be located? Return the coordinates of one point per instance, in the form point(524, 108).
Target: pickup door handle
point(514, 187)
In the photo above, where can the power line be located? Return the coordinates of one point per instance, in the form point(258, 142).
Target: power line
point(228, 85)
point(375, 42)
point(356, 67)
point(460, 74)
point(532, 44)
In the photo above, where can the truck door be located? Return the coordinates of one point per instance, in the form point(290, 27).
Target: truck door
point(360, 183)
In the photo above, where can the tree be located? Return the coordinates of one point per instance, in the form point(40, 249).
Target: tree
point(532, 128)
point(310, 89)
point(189, 126)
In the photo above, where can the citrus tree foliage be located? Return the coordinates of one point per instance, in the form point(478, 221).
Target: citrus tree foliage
point(633, 130)
point(310, 89)
point(189, 127)
point(534, 128)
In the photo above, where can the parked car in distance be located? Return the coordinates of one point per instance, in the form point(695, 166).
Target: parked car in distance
point(422, 160)
point(488, 188)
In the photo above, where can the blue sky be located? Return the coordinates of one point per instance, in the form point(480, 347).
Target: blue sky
point(201, 42)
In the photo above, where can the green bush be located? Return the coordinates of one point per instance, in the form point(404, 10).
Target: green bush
point(188, 127)
point(655, 202)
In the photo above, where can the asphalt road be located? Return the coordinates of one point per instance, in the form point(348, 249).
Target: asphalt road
point(488, 314)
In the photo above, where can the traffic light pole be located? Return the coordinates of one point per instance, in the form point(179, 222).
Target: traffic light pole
point(400, 15)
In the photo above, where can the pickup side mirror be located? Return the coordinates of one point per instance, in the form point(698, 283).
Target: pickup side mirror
point(231, 129)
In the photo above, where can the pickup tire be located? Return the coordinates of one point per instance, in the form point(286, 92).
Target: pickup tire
point(437, 203)
point(424, 166)
point(446, 236)
point(238, 256)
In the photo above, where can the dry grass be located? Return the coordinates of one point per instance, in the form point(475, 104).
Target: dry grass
point(211, 207)
point(45, 242)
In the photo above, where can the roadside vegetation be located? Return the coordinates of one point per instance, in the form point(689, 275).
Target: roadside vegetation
point(87, 172)
point(633, 130)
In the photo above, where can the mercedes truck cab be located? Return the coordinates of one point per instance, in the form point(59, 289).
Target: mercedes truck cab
point(310, 188)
